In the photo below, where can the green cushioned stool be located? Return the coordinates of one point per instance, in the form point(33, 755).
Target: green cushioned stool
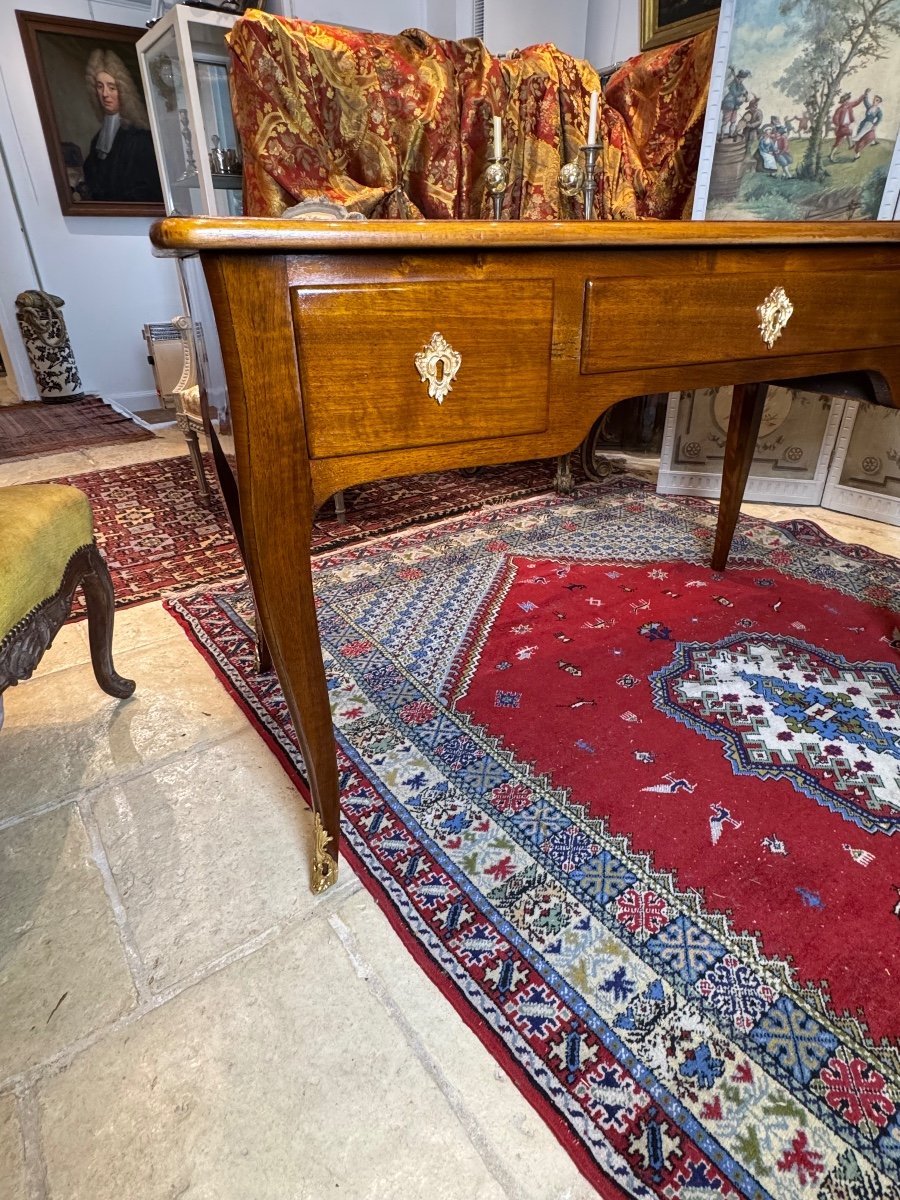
point(47, 550)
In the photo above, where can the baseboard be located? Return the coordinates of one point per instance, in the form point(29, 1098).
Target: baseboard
point(133, 404)
point(130, 403)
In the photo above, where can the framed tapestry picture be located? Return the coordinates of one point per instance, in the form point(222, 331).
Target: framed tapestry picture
point(804, 112)
point(790, 464)
point(665, 21)
point(89, 96)
point(864, 477)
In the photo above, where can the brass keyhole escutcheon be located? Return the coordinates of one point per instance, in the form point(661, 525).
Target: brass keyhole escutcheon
point(774, 313)
point(437, 363)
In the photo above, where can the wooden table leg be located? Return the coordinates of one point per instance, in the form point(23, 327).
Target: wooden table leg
point(271, 504)
point(293, 632)
point(747, 404)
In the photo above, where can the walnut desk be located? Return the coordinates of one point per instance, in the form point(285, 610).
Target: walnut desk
point(361, 351)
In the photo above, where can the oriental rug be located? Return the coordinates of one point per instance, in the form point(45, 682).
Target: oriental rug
point(158, 536)
point(30, 430)
point(637, 819)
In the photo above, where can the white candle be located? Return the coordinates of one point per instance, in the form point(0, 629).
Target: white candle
point(592, 123)
point(498, 138)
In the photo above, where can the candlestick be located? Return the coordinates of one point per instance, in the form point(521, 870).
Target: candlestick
point(496, 179)
point(590, 152)
point(498, 138)
point(592, 121)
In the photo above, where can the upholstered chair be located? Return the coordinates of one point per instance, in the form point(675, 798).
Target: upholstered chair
point(47, 550)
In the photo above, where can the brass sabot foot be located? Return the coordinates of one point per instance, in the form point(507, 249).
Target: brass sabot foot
point(324, 866)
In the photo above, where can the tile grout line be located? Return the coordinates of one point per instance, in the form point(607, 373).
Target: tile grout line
point(473, 1130)
point(146, 768)
point(136, 966)
point(36, 1185)
point(51, 807)
point(19, 1082)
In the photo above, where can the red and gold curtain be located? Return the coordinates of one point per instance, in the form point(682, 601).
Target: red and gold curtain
point(400, 126)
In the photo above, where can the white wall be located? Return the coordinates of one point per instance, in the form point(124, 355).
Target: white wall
point(513, 24)
point(382, 16)
point(603, 31)
point(101, 266)
point(613, 31)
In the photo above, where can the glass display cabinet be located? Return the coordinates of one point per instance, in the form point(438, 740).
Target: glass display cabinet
point(184, 68)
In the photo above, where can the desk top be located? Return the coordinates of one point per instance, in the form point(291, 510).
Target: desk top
point(180, 235)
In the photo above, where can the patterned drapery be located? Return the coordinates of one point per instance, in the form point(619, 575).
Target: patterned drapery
point(400, 126)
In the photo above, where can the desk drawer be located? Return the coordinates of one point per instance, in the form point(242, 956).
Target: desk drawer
point(357, 348)
point(713, 318)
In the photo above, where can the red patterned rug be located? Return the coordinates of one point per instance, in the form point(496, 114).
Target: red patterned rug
point(158, 537)
point(635, 818)
point(29, 430)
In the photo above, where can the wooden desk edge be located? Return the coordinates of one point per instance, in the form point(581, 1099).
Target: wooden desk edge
point(189, 235)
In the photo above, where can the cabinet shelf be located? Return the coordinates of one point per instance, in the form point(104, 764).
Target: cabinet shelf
point(232, 183)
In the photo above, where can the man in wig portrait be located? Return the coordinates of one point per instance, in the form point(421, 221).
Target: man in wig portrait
point(120, 165)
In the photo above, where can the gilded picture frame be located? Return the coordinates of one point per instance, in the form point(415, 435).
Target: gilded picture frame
point(83, 72)
point(665, 21)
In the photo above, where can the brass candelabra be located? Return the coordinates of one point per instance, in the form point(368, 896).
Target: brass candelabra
point(577, 178)
point(496, 179)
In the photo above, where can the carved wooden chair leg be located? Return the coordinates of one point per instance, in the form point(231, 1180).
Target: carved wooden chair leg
point(747, 406)
point(595, 468)
point(100, 603)
point(565, 480)
point(193, 445)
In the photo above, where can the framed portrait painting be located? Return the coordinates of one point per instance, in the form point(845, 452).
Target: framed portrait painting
point(665, 21)
point(89, 96)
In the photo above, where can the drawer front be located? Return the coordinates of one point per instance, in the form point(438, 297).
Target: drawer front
point(357, 347)
point(714, 318)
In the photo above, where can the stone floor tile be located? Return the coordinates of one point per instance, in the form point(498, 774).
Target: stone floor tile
point(122, 454)
point(63, 734)
point(142, 625)
point(846, 527)
point(12, 1152)
point(532, 1159)
point(133, 628)
point(207, 853)
point(48, 466)
point(275, 1079)
point(62, 967)
point(70, 649)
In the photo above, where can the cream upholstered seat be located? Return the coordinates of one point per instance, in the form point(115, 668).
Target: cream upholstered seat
point(47, 550)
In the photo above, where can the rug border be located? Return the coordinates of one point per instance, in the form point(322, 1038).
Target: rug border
point(491, 1041)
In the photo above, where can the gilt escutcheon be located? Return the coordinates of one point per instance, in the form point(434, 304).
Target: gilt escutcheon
point(774, 313)
point(437, 364)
